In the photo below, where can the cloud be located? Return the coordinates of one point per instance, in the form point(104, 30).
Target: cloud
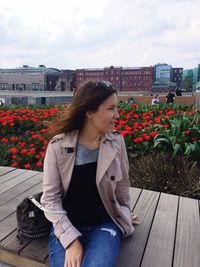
point(75, 34)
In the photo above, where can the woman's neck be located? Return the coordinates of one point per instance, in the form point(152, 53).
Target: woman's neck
point(89, 139)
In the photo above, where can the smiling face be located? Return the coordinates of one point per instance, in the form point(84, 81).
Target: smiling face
point(103, 120)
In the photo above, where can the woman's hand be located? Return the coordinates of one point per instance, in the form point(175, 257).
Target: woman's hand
point(134, 219)
point(74, 254)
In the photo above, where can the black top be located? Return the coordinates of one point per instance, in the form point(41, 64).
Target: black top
point(170, 98)
point(82, 202)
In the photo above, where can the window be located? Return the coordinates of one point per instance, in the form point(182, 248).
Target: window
point(35, 86)
point(124, 84)
point(3, 86)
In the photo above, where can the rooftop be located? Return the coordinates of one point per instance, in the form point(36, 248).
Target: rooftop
point(27, 69)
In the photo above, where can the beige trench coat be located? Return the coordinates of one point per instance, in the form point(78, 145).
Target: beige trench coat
point(112, 181)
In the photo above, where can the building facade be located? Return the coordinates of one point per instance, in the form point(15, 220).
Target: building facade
point(177, 76)
point(123, 79)
point(68, 80)
point(162, 73)
point(196, 78)
point(158, 78)
point(166, 77)
point(188, 73)
point(30, 79)
point(194, 75)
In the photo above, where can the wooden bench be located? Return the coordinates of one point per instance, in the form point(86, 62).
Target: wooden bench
point(168, 235)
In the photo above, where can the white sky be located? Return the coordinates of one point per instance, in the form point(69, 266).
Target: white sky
point(72, 34)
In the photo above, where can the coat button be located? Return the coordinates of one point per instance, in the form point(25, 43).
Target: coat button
point(112, 178)
point(113, 201)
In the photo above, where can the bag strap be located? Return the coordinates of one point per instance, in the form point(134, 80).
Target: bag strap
point(37, 204)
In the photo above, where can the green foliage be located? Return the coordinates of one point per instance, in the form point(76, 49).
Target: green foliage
point(174, 140)
point(177, 129)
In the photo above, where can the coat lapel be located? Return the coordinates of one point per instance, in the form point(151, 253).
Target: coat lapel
point(106, 156)
point(106, 152)
point(68, 155)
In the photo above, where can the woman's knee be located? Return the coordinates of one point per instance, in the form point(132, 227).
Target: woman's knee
point(102, 246)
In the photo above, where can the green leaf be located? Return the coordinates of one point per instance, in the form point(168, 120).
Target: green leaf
point(159, 141)
point(173, 140)
point(176, 149)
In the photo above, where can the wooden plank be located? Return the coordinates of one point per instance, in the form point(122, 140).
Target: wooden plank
point(31, 250)
point(13, 244)
point(17, 180)
point(11, 205)
point(7, 226)
point(187, 246)
point(4, 170)
point(132, 248)
point(19, 261)
point(37, 250)
point(20, 188)
point(159, 249)
point(11, 175)
point(151, 245)
point(134, 196)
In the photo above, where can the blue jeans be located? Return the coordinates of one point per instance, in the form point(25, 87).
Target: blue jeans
point(101, 244)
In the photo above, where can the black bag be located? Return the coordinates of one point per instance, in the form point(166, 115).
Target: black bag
point(31, 220)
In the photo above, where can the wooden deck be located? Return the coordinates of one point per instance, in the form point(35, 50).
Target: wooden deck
point(168, 235)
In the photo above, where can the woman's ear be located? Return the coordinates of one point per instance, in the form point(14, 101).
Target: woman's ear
point(89, 114)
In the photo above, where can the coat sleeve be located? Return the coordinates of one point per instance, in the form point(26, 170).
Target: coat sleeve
point(122, 189)
point(52, 199)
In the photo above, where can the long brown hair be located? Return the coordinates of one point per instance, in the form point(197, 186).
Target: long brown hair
point(88, 97)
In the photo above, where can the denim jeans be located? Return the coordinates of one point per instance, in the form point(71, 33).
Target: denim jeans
point(101, 244)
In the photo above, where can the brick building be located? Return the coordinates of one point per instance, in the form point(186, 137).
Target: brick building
point(123, 79)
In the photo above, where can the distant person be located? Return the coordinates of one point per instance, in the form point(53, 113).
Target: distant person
point(130, 100)
point(74, 90)
point(178, 91)
point(170, 97)
point(155, 100)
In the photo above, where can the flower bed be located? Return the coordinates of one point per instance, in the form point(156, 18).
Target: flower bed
point(163, 144)
point(169, 128)
point(171, 131)
point(21, 134)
